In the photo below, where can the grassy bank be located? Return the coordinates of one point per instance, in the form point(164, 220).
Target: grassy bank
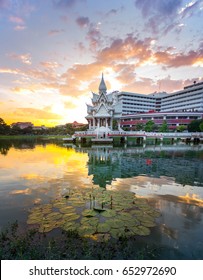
point(24, 137)
point(69, 245)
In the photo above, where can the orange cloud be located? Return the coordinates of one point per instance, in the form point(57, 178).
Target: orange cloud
point(24, 58)
point(179, 59)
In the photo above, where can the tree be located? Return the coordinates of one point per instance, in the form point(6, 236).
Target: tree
point(150, 126)
point(69, 129)
point(139, 126)
point(163, 127)
point(4, 128)
point(201, 126)
point(115, 124)
point(194, 126)
point(181, 128)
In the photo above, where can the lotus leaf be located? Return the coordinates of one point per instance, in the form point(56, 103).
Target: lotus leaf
point(69, 217)
point(66, 225)
point(89, 213)
point(118, 207)
point(101, 237)
point(69, 226)
point(33, 221)
point(86, 230)
point(145, 217)
point(67, 209)
point(78, 203)
point(125, 216)
point(59, 204)
point(154, 213)
point(115, 232)
point(44, 230)
point(148, 223)
point(103, 227)
point(54, 216)
point(142, 230)
point(36, 215)
point(109, 213)
point(115, 223)
point(98, 209)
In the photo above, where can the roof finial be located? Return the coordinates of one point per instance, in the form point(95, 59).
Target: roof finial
point(102, 86)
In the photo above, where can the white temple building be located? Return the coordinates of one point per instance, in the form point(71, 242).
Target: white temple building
point(104, 109)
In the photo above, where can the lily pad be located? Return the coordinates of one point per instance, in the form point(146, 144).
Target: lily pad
point(86, 230)
point(109, 213)
point(101, 237)
point(69, 226)
point(33, 221)
point(115, 223)
point(125, 216)
point(89, 213)
point(103, 227)
point(54, 216)
point(71, 217)
point(142, 230)
point(148, 224)
point(67, 209)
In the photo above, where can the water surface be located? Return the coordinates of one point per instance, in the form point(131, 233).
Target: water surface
point(170, 177)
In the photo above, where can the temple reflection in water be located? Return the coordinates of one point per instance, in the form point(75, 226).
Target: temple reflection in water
point(106, 164)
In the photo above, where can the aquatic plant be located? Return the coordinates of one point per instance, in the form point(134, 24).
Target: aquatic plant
point(95, 213)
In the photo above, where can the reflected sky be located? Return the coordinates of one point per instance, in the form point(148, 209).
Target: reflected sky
point(171, 179)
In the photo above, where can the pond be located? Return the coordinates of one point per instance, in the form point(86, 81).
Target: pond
point(152, 192)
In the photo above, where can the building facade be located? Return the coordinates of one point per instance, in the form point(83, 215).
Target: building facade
point(173, 119)
point(130, 109)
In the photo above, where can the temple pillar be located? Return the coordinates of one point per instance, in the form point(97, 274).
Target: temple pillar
point(119, 125)
point(93, 123)
point(111, 123)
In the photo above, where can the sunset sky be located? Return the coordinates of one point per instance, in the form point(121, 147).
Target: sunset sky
point(52, 53)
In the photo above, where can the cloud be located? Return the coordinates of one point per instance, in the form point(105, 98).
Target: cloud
point(19, 21)
point(50, 64)
point(20, 7)
point(158, 7)
point(34, 114)
point(7, 70)
point(24, 58)
point(130, 49)
point(4, 4)
point(82, 21)
point(190, 9)
point(112, 12)
point(69, 105)
point(158, 15)
point(16, 19)
point(66, 3)
point(19, 27)
point(179, 59)
point(93, 36)
point(55, 32)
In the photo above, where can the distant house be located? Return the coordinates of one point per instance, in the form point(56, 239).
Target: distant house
point(22, 125)
point(42, 127)
point(76, 124)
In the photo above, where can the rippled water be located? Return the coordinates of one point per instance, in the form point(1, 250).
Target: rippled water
point(170, 177)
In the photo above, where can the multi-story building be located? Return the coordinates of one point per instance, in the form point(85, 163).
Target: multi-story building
point(188, 99)
point(173, 119)
point(130, 109)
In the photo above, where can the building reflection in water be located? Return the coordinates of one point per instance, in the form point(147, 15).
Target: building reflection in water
point(107, 164)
